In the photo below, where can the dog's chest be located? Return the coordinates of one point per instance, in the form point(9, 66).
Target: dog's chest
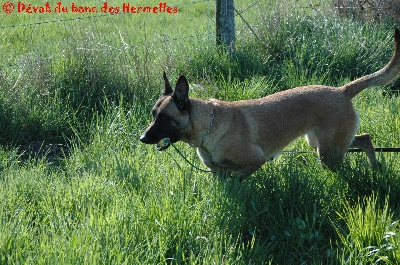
point(205, 156)
point(215, 161)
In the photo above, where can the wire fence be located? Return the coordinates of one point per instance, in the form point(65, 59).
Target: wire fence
point(247, 21)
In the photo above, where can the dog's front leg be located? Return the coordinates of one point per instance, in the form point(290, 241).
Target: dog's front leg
point(224, 173)
point(240, 162)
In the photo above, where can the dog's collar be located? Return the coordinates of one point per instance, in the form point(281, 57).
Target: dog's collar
point(211, 125)
point(211, 122)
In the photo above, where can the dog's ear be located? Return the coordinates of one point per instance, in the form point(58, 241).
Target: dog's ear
point(181, 94)
point(167, 86)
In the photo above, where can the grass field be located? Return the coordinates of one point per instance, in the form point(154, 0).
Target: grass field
point(85, 84)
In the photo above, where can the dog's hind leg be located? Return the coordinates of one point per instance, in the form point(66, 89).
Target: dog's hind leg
point(329, 152)
point(333, 147)
point(363, 141)
point(330, 156)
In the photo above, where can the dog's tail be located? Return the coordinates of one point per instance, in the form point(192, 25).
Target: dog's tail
point(380, 78)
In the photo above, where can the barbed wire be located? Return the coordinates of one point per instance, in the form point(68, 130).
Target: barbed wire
point(189, 3)
point(57, 21)
point(165, 40)
point(247, 8)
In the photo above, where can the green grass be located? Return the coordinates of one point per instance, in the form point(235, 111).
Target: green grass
point(90, 84)
point(372, 235)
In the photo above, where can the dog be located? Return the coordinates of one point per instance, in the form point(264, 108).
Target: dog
point(239, 137)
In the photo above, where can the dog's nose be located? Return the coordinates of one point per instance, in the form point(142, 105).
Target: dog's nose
point(143, 138)
point(148, 138)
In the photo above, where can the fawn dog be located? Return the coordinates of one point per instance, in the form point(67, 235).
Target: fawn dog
point(239, 137)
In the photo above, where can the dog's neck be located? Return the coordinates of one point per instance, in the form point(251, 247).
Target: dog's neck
point(200, 127)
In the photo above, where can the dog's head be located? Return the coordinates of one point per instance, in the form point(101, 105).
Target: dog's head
point(170, 114)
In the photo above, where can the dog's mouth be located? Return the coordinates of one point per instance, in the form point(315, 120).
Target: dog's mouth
point(163, 144)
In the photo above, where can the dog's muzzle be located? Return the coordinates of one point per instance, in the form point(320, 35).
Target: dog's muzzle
point(161, 145)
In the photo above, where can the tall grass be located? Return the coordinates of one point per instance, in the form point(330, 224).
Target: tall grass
point(116, 201)
point(372, 235)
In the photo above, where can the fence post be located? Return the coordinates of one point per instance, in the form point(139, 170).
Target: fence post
point(225, 24)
